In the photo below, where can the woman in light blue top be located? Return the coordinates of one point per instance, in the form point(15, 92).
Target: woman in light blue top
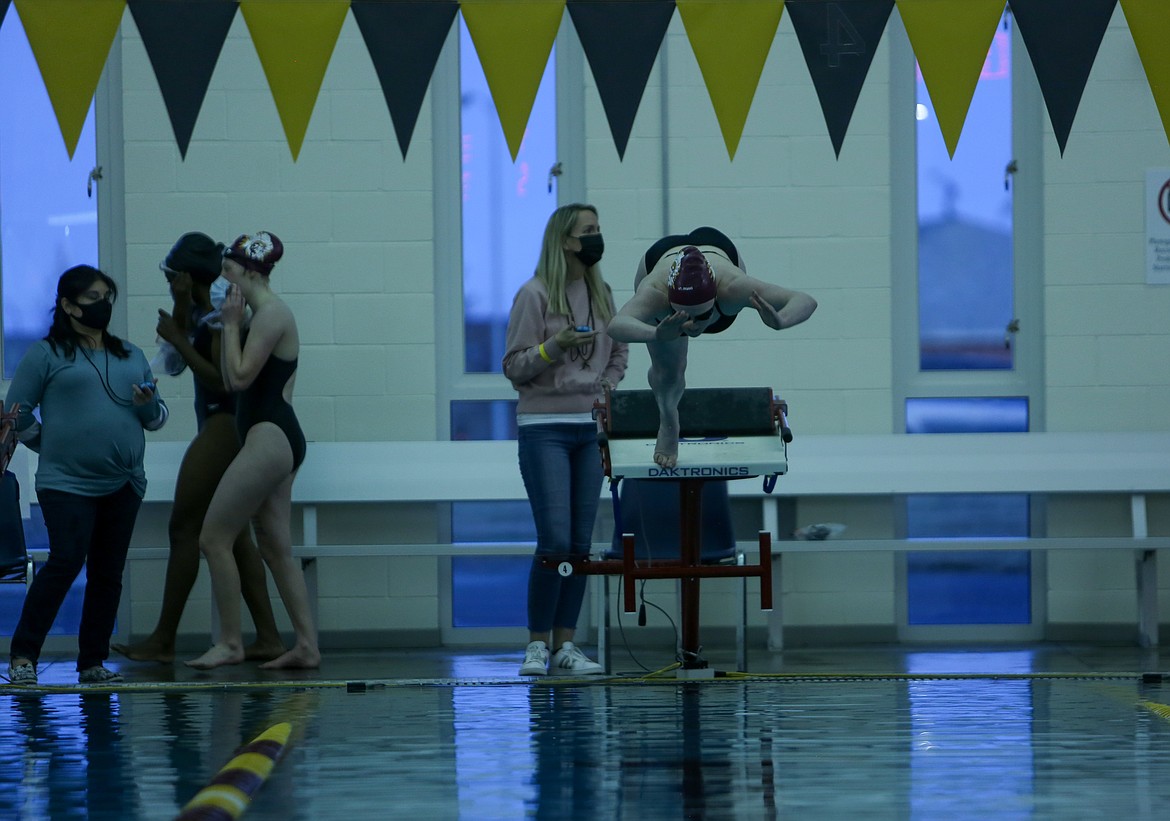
point(96, 395)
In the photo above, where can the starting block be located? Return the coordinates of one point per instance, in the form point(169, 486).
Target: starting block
point(735, 433)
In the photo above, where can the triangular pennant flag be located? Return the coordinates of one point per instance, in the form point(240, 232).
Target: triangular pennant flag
point(294, 40)
point(621, 42)
point(950, 38)
point(731, 40)
point(838, 40)
point(1149, 24)
point(513, 39)
point(404, 40)
point(183, 40)
point(71, 40)
point(1062, 39)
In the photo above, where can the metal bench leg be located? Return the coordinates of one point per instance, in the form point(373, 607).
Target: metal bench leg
point(742, 617)
point(1147, 575)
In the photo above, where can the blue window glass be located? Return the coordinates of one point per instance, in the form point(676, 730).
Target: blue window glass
point(965, 230)
point(48, 212)
point(505, 206)
point(968, 587)
point(483, 420)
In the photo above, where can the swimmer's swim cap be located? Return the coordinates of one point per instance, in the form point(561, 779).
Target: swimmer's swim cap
point(690, 281)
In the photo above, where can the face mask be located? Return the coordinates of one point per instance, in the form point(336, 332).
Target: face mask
point(592, 247)
point(96, 315)
point(218, 292)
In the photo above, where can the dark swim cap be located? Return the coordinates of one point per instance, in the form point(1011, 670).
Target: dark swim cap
point(196, 254)
point(690, 281)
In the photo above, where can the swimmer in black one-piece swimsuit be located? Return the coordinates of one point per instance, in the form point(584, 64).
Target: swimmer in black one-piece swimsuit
point(263, 401)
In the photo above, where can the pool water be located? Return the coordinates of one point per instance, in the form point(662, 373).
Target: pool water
point(751, 747)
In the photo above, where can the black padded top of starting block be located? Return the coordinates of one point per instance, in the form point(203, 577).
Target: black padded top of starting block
point(702, 412)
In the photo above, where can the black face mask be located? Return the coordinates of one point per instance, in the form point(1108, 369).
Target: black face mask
point(96, 315)
point(592, 247)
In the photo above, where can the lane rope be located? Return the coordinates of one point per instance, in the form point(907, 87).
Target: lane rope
point(231, 790)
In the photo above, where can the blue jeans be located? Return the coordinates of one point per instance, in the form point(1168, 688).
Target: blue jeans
point(89, 531)
point(561, 467)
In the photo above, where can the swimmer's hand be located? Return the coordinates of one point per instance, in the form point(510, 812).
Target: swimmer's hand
point(769, 315)
point(232, 310)
point(672, 327)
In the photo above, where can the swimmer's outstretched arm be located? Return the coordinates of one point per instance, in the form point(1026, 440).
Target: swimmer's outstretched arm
point(778, 307)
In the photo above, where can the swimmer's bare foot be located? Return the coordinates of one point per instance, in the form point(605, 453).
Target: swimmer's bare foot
point(148, 650)
point(666, 446)
point(264, 650)
point(298, 658)
point(217, 656)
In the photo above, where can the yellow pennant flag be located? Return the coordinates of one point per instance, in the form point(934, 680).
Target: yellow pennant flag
point(513, 39)
point(71, 40)
point(294, 40)
point(731, 40)
point(1149, 23)
point(950, 38)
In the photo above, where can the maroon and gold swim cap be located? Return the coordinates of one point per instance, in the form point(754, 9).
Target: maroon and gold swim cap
point(691, 280)
point(257, 252)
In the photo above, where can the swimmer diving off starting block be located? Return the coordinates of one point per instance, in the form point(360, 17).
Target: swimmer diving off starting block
point(685, 286)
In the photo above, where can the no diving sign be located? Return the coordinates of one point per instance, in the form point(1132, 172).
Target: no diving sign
point(1158, 226)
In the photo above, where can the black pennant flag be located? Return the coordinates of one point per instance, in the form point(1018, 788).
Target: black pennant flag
point(404, 40)
point(621, 41)
point(838, 39)
point(183, 39)
point(1062, 39)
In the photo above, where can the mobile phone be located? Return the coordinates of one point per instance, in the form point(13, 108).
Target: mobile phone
point(146, 387)
point(583, 329)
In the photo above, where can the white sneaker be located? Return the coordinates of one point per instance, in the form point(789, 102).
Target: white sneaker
point(570, 661)
point(25, 673)
point(535, 659)
point(98, 675)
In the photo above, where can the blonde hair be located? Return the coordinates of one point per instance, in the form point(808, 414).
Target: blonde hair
point(551, 268)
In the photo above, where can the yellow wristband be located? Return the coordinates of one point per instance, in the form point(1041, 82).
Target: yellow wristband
point(544, 355)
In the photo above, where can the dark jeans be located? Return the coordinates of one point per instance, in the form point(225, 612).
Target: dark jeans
point(90, 531)
point(561, 466)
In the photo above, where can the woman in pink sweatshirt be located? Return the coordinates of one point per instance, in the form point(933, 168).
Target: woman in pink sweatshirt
point(560, 360)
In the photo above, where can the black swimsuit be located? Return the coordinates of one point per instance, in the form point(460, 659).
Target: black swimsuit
point(700, 236)
point(263, 401)
point(208, 401)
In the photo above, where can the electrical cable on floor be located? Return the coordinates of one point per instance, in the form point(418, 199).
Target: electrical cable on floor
point(641, 622)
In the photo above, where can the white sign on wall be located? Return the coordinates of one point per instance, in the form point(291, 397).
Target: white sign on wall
point(1158, 226)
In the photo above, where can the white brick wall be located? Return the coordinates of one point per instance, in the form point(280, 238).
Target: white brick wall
point(360, 234)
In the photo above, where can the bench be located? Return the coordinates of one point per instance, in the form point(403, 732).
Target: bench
point(1133, 464)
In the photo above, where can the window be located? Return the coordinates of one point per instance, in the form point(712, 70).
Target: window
point(965, 370)
point(48, 212)
point(505, 206)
